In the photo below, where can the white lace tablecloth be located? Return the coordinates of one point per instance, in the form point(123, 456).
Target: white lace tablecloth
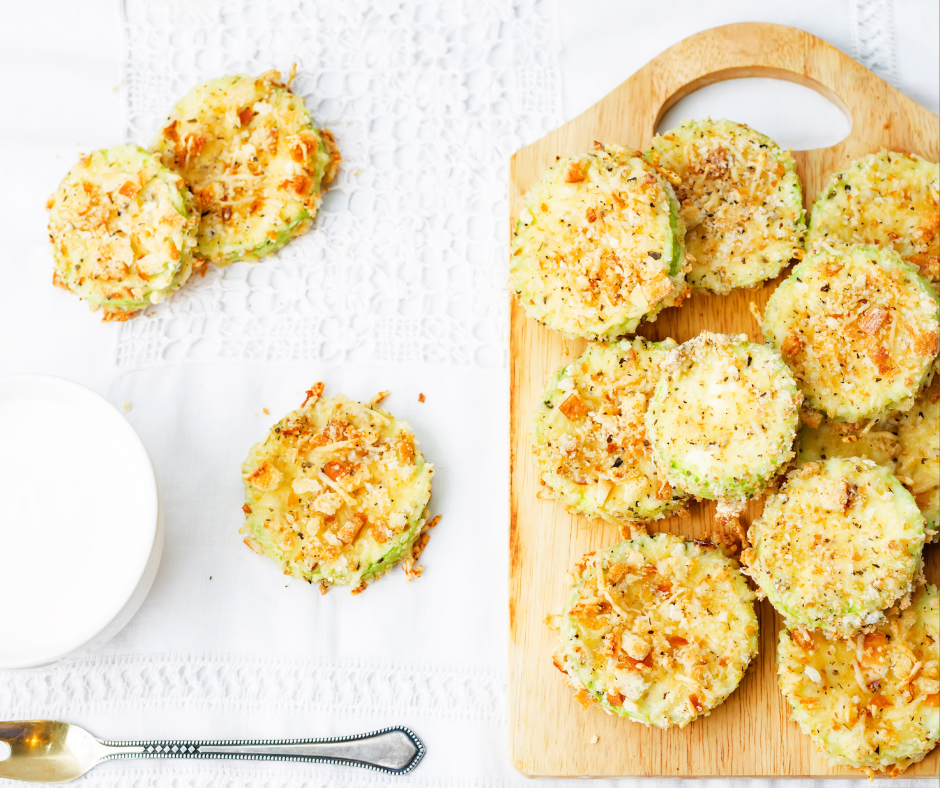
point(399, 286)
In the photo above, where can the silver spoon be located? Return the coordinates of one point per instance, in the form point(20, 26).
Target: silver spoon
point(49, 751)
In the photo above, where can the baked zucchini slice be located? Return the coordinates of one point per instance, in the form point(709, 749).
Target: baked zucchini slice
point(723, 418)
point(889, 200)
point(657, 629)
point(598, 245)
point(741, 200)
point(858, 327)
point(919, 455)
point(337, 492)
point(870, 701)
point(122, 228)
point(837, 547)
point(589, 436)
point(256, 164)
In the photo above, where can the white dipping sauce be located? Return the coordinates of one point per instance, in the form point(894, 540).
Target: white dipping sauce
point(78, 518)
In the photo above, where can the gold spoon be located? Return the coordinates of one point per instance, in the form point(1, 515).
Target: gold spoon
point(55, 752)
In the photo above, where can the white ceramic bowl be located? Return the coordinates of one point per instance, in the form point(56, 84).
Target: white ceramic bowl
point(81, 529)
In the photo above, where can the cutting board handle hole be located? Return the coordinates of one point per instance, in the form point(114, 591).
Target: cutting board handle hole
point(5, 750)
point(795, 111)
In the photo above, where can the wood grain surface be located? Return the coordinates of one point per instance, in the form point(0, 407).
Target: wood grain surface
point(549, 733)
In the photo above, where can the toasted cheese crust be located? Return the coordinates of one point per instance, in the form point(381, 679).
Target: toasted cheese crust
point(337, 492)
point(723, 418)
point(919, 455)
point(888, 200)
point(871, 701)
point(657, 629)
point(598, 245)
point(858, 327)
point(122, 228)
point(256, 164)
point(880, 444)
point(589, 436)
point(837, 547)
point(741, 200)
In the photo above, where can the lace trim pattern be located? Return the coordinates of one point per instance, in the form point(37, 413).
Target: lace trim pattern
point(103, 682)
point(407, 257)
point(874, 39)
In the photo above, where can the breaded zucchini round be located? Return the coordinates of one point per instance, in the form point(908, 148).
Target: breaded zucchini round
point(888, 200)
point(919, 455)
point(598, 245)
point(880, 444)
point(871, 701)
point(723, 418)
point(590, 439)
point(858, 327)
point(657, 629)
point(838, 546)
point(122, 228)
point(256, 164)
point(337, 492)
point(741, 200)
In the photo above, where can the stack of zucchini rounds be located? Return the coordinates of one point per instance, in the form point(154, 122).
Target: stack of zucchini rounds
point(237, 171)
point(660, 629)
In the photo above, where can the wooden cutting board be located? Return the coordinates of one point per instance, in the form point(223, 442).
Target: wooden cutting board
point(549, 733)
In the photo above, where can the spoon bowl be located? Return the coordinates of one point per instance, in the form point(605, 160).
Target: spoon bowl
point(47, 751)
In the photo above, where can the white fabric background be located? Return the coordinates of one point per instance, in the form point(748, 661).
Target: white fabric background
point(400, 286)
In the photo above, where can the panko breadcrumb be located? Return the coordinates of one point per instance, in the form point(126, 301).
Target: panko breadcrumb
point(741, 198)
point(598, 246)
point(870, 701)
point(589, 436)
point(255, 161)
point(122, 228)
point(858, 327)
point(837, 547)
point(886, 199)
point(337, 493)
point(723, 418)
point(657, 629)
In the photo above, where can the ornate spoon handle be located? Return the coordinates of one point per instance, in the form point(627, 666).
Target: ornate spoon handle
point(390, 750)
